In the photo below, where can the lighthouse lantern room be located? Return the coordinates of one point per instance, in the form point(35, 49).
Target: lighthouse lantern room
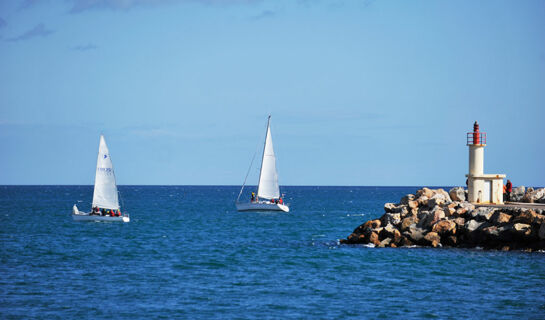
point(482, 188)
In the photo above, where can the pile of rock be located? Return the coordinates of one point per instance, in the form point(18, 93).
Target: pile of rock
point(529, 195)
point(438, 218)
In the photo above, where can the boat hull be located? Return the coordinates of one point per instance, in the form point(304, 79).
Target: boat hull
point(262, 206)
point(83, 216)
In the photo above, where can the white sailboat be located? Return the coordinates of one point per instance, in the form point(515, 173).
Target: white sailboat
point(105, 205)
point(268, 191)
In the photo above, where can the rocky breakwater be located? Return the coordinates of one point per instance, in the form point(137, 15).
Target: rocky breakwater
point(437, 218)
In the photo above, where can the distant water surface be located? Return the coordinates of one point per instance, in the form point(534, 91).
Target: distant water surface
point(188, 254)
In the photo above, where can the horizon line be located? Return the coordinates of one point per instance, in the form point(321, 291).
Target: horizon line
point(228, 185)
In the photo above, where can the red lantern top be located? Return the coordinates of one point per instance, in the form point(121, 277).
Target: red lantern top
point(476, 137)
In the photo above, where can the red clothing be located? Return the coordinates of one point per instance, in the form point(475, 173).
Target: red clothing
point(509, 186)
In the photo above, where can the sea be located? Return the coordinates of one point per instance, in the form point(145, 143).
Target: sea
point(188, 254)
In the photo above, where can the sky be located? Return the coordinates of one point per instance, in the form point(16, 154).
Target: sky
point(370, 93)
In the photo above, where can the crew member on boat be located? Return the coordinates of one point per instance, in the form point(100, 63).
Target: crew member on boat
point(253, 197)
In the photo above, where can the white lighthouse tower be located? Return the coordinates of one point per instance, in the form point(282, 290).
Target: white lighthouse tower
point(482, 188)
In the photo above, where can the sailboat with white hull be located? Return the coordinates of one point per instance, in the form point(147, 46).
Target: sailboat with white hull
point(105, 205)
point(268, 191)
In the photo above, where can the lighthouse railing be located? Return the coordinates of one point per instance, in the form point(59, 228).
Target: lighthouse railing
point(476, 138)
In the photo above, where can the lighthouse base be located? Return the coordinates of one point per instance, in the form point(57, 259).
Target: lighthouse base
point(485, 188)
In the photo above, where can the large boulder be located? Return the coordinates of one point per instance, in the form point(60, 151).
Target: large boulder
point(466, 205)
point(390, 218)
point(405, 242)
point(389, 207)
point(533, 196)
point(529, 217)
point(374, 239)
point(437, 200)
point(444, 227)
point(472, 232)
point(422, 201)
point(500, 217)
point(517, 194)
point(405, 200)
point(355, 238)
point(472, 225)
point(415, 234)
point(390, 232)
point(404, 210)
point(425, 192)
point(450, 209)
point(407, 221)
point(429, 218)
point(444, 194)
point(460, 222)
point(385, 243)
point(432, 239)
point(491, 233)
point(457, 194)
point(393, 208)
point(542, 198)
point(482, 213)
point(413, 204)
point(522, 229)
point(372, 224)
point(461, 211)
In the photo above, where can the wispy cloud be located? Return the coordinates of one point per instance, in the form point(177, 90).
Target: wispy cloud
point(39, 30)
point(85, 47)
point(264, 14)
point(153, 133)
point(85, 5)
point(29, 3)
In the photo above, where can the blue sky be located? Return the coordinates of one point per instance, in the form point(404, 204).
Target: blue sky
point(360, 92)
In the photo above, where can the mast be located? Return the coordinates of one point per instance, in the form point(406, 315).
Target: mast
point(263, 155)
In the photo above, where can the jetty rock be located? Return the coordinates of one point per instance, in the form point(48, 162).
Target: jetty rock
point(528, 195)
point(437, 218)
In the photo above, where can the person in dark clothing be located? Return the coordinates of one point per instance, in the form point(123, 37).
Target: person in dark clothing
point(253, 197)
point(508, 189)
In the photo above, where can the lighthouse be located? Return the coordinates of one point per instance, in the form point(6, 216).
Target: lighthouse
point(482, 188)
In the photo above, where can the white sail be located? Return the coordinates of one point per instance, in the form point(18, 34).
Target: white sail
point(105, 195)
point(268, 178)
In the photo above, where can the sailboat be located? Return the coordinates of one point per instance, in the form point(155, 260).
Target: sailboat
point(268, 191)
point(105, 205)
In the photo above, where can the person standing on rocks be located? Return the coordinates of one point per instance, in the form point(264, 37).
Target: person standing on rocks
point(509, 189)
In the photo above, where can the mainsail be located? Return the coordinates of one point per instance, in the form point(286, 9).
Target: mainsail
point(105, 195)
point(268, 178)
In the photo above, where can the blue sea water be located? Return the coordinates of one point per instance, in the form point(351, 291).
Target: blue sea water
point(187, 253)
